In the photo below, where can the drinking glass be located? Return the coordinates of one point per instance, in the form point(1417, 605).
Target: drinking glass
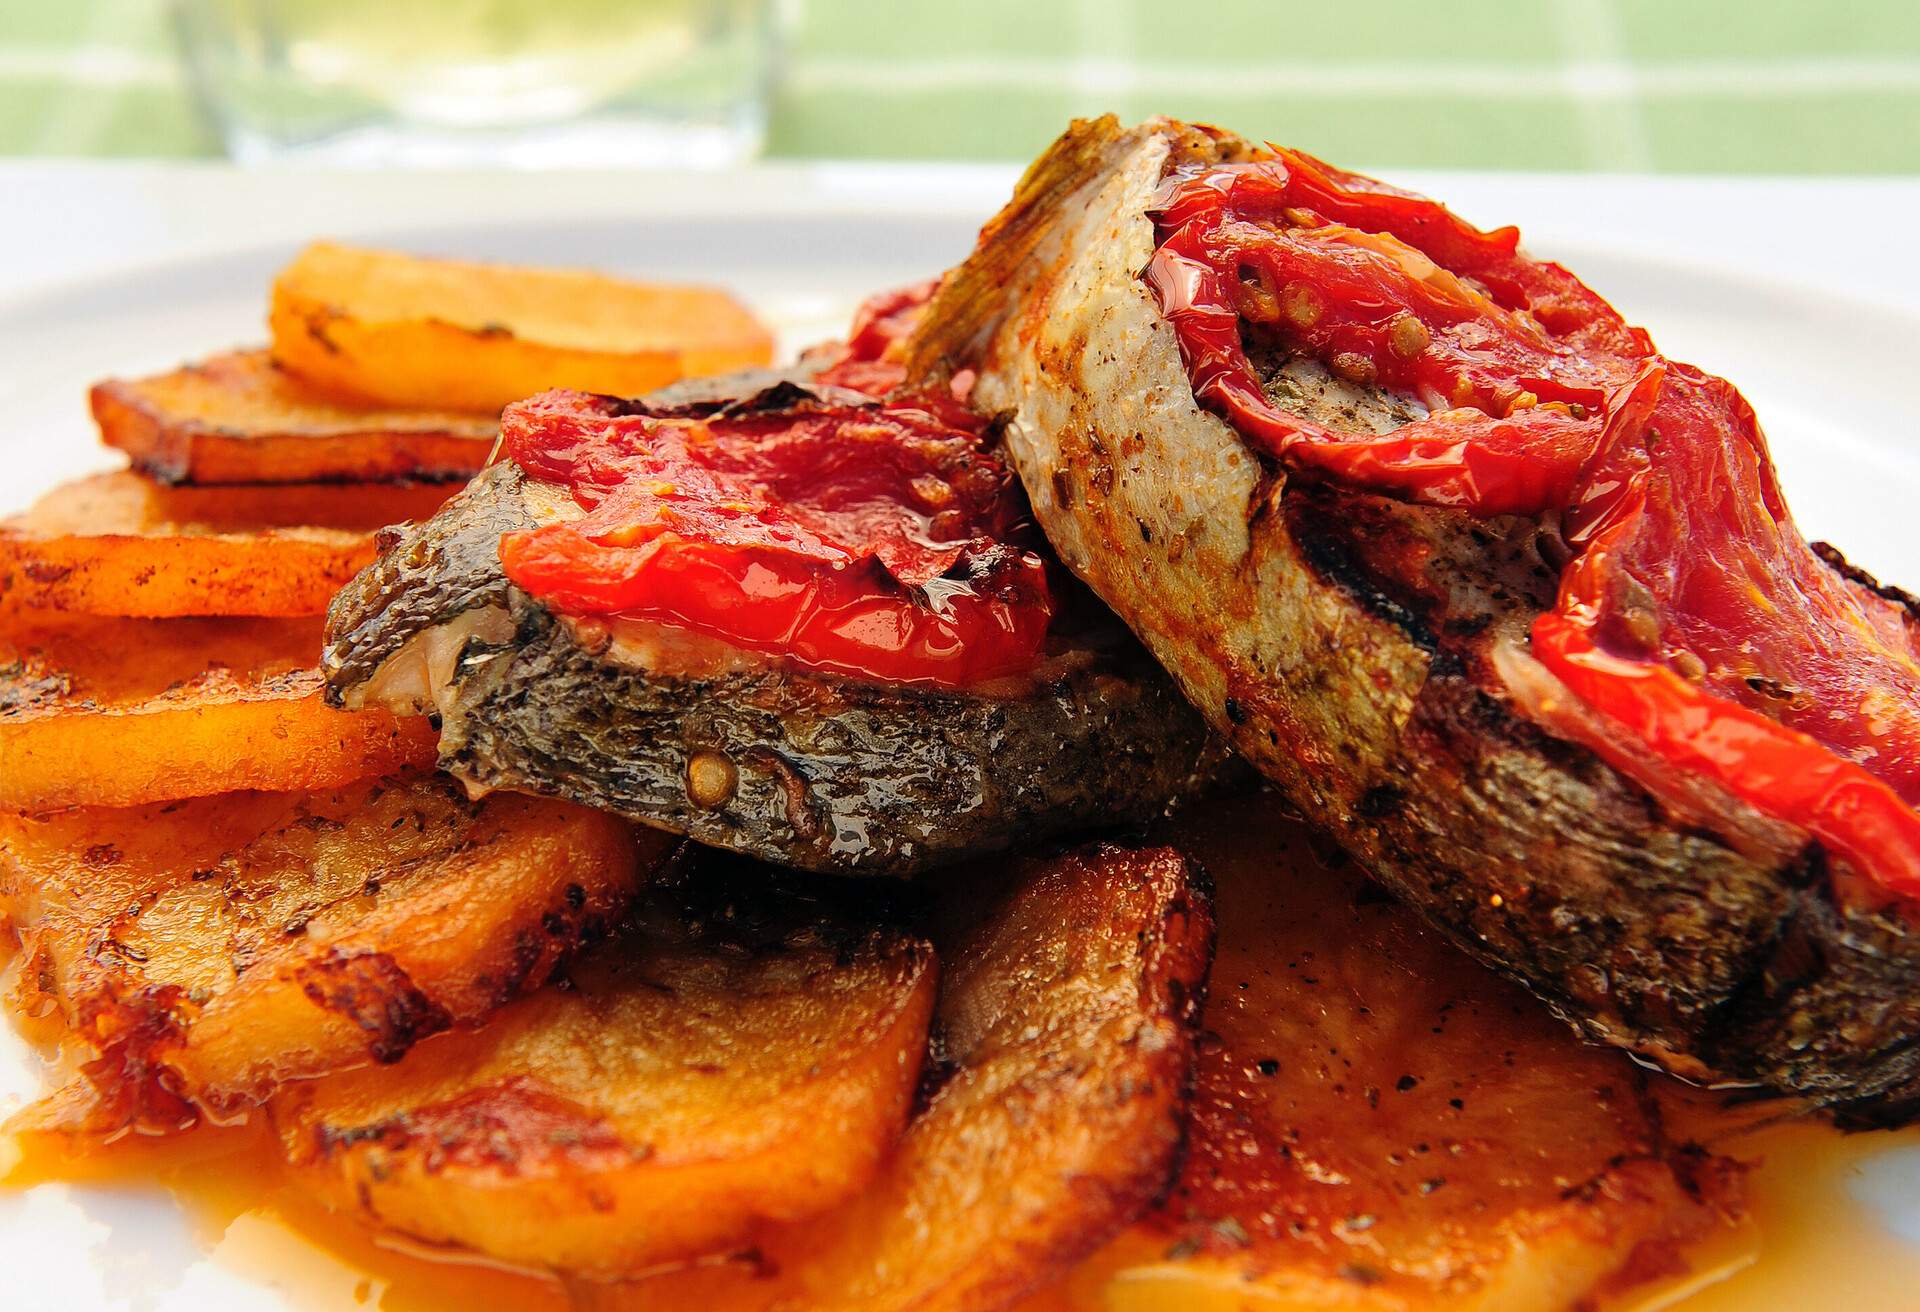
point(534, 83)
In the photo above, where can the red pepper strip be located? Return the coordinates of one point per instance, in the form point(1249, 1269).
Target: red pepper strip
point(848, 622)
point(1779, 771)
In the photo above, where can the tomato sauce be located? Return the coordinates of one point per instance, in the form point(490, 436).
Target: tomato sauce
point(1692, 614)
point(874, 538)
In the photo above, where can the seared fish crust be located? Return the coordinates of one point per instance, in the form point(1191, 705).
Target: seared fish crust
point(785, 764)
point(1386, 710)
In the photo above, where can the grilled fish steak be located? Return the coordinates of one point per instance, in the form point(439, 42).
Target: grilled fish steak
point(1363, 652)
point(737, 750)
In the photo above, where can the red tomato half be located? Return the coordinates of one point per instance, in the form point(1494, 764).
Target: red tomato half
point(878, 541)
point(1693, 614)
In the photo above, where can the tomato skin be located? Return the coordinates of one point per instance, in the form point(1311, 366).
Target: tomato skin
point(1341, 291)
point(869, 360)
point(1770, 766)
point(874, 541)
point(843, 621)
point(1692, 614)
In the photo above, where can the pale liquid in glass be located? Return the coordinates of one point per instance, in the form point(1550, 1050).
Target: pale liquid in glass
point(526, 82)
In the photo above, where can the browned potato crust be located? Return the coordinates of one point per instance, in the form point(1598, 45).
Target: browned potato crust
point(1064, 1047)
point(119, 544)
point(1381, 1123)
point(115, 712)
point(204, 952)
point(708, 1072)
point(239, 418)
point(403, 330)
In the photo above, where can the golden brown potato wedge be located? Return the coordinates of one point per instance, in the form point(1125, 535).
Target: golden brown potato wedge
point(240, 418)
point(1064, 1050)
point(203, 952)
point(112, 501)
point(402, 330)
point(116, 712)
point(120, 544)
point(1380, 1123)
point(707, 1072)
point(52, 661)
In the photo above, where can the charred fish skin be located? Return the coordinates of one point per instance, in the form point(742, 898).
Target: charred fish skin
point(784, 764)
point(826, 774)
point(425, 575)
point(1724, 952)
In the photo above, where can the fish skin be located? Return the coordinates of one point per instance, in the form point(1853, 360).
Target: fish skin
point(830, 773)
point(1726, 948)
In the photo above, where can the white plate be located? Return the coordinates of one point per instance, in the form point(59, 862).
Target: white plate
point(1816, 366)
point(1821, 371)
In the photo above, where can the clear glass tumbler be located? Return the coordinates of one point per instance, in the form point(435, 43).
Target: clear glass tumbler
point(530, 83)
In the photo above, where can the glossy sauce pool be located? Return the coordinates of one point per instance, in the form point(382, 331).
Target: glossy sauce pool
point(1819, 1243)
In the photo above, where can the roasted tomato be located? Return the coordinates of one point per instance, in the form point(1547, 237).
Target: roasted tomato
point(1715, 643)
point(877, 538)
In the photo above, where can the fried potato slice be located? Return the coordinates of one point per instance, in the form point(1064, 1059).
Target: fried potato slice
point(116, 712)
point(1381, 1123)
point(1065, 1045)
point(240, 418)
point(204, 952)
point(120, 544)
point(403, 330)
point(735, 1057)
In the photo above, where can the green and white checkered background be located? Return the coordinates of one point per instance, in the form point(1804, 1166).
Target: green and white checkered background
point(1751, 86)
